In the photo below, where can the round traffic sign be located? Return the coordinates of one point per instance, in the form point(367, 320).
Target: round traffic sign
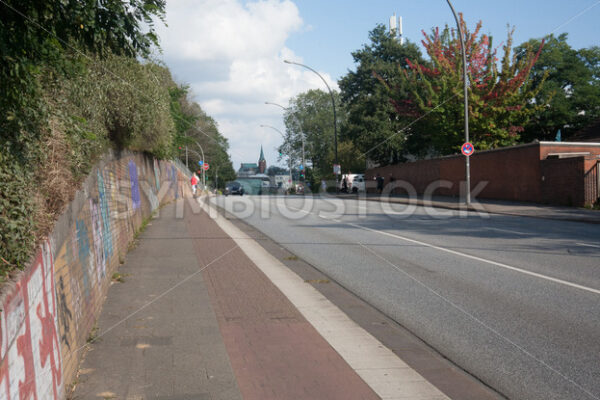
point(205, 166)
point(467, 149)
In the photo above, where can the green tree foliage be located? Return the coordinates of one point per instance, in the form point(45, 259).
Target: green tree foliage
point(311, 114)
point(137, 105)
point(499, 98)
point(37, 35)
point(44, 44)
point(350, 158)
point(372, 118)
point(17, 222)
point(571, 89)
point(199, 132)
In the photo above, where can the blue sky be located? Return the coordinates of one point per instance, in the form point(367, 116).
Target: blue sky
point(231, 51)
point(337, 27)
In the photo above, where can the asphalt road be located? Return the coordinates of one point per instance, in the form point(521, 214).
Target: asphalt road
point(514, 301)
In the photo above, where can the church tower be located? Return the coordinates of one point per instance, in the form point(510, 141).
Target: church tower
point(262, 163)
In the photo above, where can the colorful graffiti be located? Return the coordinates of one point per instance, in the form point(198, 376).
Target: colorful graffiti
point(32, 367)
point(84, 254)
point(135, 188)
point(47, 316)
point(104, 212)
point(98, 240)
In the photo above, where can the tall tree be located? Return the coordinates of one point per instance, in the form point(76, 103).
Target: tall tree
point(373, 124)
point(571, 90)
point(500, 99)
point(199, 132)
point(311, 114)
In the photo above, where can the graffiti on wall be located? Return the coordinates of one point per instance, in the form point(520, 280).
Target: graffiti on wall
point(98, 240)
point(104, 212)
point(135, 188)
point(31, 368)
point(53, 307)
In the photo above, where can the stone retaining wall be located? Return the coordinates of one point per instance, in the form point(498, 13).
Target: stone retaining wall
point(50, 309)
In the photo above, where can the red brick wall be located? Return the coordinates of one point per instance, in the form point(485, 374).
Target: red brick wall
point(562, 147)
point(562, 181)
point(591, 183)
point(512, 173)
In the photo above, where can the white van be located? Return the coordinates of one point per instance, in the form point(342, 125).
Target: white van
point(358, 183)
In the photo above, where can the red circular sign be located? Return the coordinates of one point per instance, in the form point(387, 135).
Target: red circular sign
point(205, 166)
point(467, 149)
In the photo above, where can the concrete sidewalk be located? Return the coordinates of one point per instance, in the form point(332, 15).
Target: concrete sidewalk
point(531, 210)
point(196, 319)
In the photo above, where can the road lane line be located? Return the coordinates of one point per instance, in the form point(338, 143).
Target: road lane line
point(477, 320)
point(506, 231)
point(588, 245)
point(497, 264)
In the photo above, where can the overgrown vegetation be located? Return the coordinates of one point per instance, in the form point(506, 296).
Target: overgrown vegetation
point(196, 134)
point(76, 80)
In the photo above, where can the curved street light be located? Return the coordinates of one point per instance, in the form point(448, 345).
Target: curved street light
point(465, 87)
point(289, 155)
point(298, 122)
point(334, 116)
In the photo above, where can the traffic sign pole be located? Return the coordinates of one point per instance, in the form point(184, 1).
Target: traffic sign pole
point(468, 149)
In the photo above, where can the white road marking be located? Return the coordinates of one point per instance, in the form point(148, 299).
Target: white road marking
point(506, 231)
point(381, 369)
point(588, 245)
point(497, 264)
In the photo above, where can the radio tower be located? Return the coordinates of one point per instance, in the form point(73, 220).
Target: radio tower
point(396, 28)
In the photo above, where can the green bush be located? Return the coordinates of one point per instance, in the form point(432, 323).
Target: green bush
point(17, 210)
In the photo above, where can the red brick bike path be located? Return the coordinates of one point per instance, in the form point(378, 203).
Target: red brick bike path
point(275, 353)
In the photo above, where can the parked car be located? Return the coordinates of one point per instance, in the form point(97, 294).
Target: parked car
point(234, 188)
point(358, 183)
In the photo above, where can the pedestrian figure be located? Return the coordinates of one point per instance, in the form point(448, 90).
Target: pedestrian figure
point(379, 180)
point(345, 184)
point(392, 179)
point(323, 186)
point(194, 183)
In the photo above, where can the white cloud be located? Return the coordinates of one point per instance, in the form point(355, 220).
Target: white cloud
point(217, 29)
point(231, 53)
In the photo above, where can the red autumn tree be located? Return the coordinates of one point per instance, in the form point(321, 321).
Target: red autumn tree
point(500, 94)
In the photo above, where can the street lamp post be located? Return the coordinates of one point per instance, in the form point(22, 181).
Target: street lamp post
point(465, 87)
point(298, 122)
point(289, 155)
point(334, 115)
